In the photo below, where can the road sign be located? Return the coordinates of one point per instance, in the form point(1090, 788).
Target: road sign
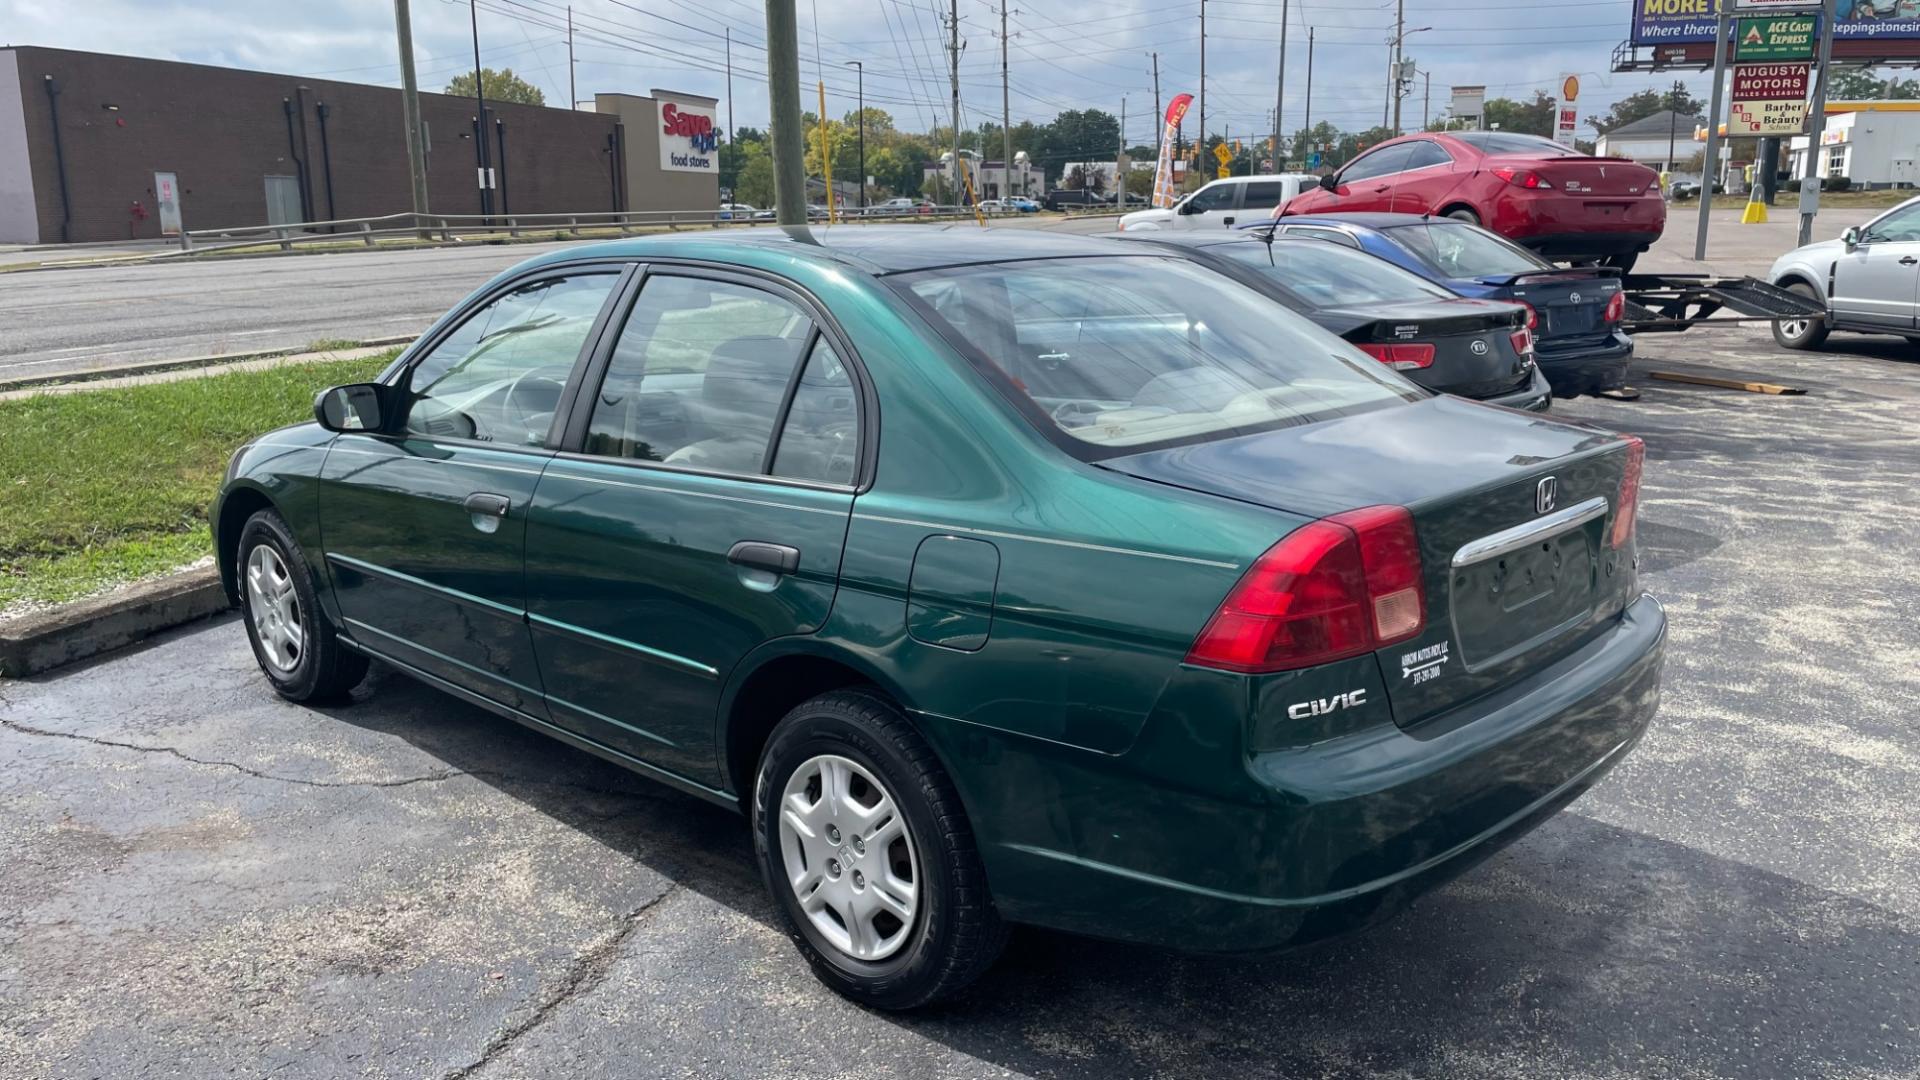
point(1786, 38)
point(1313, 160)
point(1224, 172)
point(1222, 153)
point(1769, 99)
point(1567, 116)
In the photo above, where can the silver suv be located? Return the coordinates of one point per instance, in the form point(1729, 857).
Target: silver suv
point(1869, 280)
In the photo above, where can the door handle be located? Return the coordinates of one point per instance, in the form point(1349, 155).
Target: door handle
point(1908, 260)
point(488, 504)
point(1226, 221)
point(760, 555)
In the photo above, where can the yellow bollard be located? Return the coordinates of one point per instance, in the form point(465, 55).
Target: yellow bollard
point(1756, 211)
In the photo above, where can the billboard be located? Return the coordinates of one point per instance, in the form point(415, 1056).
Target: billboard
point(1678, 22)
point(688, 138)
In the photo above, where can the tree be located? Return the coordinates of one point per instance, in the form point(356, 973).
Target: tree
point(1865, 84)
point(1639, 106)
point(755, 185)
point(1534, 117)
point(502, 85)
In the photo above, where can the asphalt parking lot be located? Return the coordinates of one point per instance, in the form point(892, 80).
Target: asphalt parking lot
point(197, 879)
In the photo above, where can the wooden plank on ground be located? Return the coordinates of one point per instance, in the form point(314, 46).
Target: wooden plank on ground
point(1727, 384)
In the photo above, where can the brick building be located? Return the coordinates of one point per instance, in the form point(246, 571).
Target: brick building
point(91, 145)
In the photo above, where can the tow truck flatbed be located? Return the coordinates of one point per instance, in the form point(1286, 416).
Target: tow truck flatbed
point(1668, 303)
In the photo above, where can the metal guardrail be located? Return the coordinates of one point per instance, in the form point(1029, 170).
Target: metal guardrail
point(368, 230)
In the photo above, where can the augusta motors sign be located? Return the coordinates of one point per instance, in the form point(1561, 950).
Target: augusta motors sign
point(688, 138)
point(1769, 99)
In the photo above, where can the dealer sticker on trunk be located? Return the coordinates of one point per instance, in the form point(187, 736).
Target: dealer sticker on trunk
point(1423, 665)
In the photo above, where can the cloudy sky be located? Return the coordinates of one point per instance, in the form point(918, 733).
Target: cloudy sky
point(1062, 54)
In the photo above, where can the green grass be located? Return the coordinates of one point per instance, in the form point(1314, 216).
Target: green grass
point(107, 486)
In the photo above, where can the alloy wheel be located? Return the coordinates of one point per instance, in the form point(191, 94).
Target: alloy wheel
point(1794, 328)
point(849, 857)
point(274, 608)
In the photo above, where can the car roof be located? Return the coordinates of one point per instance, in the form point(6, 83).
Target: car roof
point(1205, 239)
point(1368, 220)
point(874, 249)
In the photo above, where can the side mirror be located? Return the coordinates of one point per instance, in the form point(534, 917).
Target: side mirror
point(354, 407)
point(1328, 183)
point(1185, 206)
point(1851, 237)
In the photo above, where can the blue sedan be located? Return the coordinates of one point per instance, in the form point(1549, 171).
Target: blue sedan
point(1575, 311)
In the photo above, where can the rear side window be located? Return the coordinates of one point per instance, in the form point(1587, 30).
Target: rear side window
point(1312, 233)
point(1119, 352)
point(1507, 142)
point(1462, 251)
point(1329, 276)
point(1425, 153)
point(1265, 195)
point(698, 376)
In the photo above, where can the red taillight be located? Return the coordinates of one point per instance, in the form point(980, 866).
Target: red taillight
point(1616, 307)
point(1525, 178)
point(1522, 342)
point(1627, 505)
point(1333, 588)
point(1401, 356)
point(1533, 315)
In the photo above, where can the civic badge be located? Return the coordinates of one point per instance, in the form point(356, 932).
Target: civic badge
point(1478, 348)
point(1545, 494)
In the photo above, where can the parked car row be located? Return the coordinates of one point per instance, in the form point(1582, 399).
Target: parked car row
point(1134, 588)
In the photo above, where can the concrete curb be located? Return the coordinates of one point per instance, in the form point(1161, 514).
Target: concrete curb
point(49, 639)
point(149, 367)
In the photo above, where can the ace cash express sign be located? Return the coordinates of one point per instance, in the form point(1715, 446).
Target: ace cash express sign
point(689, 139)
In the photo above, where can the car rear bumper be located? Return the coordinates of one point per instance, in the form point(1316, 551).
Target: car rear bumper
point(1344, 831)
point(1598, 243)
point(1586, 369)
point(1536, 396)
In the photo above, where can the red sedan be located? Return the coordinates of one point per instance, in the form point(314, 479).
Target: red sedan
point(1533, 191)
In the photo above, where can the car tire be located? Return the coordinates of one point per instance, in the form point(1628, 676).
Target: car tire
point(294, 644)
point(859, 762)
point(1461, 213)
point(1800, 333)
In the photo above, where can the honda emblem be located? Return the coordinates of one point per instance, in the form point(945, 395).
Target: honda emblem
point(1545, 494)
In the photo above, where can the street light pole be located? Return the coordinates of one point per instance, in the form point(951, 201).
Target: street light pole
point(1280, 87)
point(410, 107)
point(860, 82)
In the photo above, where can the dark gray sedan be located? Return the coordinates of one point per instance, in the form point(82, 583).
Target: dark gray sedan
point(1479, 349)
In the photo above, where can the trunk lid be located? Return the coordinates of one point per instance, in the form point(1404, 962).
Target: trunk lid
point(1571, 303)
point(1510, 584)
point(1473, 351)
point(1587, 177)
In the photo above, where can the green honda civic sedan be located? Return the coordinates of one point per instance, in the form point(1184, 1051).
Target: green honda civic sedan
point(997, 577)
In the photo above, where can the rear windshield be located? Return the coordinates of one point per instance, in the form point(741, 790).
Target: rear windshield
point(1328, 275)
point(1135, 352)
point(1507, 142)
point(1462, 251)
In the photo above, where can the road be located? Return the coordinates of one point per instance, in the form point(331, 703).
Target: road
point(199, 879)
point(72, 321)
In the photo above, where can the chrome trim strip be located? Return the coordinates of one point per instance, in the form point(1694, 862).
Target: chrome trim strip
point(694, 666)
point(444, 658)
point(605, 719)
point(569, 474)
point(1510, 540)
point(1048, 540)
point(400, 456)
point(419, 583)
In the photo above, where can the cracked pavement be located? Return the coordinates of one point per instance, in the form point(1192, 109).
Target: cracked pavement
point(198, 879)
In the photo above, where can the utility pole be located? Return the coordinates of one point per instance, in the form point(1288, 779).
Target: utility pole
point(860, 76)
point(573, 92)
point(1810, 183)
point(953, 48)
point(485, 168)
point(1120, 160)
point(1280, 87)
point(1006, 112)
point(1673, 122)
point(783, 96)
point(1159, 117)
point(1426, 100)
point(733, 178)
point(410, 106)
point(1393, 69)
point(1710, 163)
point(1309, 122)
point(1203, 77)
